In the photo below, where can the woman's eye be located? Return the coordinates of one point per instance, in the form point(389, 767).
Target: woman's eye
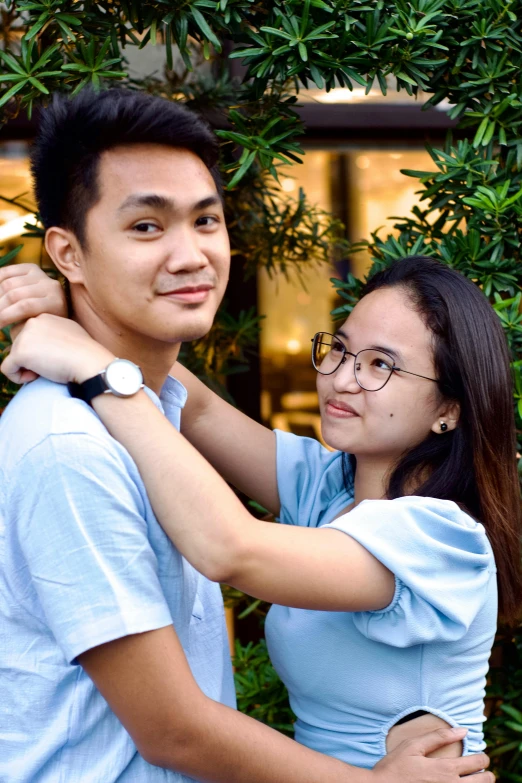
point(381, 364)
point(145, 228)
point(337, 348)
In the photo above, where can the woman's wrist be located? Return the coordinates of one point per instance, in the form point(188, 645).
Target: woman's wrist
point(92, 362)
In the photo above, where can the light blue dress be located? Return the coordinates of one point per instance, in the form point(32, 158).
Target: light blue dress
point(352, 676)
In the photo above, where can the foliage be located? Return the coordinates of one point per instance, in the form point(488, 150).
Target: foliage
point(505, 702)
point(258, 688)
point(465, 52)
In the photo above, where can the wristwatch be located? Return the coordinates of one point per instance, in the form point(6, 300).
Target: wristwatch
point(121, 378)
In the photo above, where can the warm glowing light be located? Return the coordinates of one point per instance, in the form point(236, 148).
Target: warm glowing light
point(293, 346)
point(303, 298)
point(341, 95)
point(395, 155)
point(288, 184)
point(16, 227)
point(362, 162)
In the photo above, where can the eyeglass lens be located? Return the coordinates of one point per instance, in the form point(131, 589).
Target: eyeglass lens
point(372, 368)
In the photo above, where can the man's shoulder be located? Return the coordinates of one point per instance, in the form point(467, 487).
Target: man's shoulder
point(42, 409)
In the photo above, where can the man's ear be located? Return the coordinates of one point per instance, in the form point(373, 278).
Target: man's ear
point(66, 253)
point(447, 418)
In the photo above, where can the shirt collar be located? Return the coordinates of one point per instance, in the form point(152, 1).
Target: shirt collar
point(171, 400)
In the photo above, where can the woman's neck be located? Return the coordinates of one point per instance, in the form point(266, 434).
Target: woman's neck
point(370, 480)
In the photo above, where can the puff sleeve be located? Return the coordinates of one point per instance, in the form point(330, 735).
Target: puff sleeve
point(442, 562)
point(310, 480)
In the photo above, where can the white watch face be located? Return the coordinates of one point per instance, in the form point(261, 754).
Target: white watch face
point(123, 377)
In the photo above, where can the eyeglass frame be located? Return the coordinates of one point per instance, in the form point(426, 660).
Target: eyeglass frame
point(346, 352)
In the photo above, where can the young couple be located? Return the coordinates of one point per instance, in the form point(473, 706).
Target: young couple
point(115, 530)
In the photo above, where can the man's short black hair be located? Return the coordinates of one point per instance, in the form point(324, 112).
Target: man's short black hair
point(75, 132)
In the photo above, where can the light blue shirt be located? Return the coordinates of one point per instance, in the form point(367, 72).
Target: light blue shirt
point(352, 676)
point(83, 561)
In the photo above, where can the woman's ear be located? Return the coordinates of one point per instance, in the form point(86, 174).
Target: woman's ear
point(447, 418)
point(65, 251)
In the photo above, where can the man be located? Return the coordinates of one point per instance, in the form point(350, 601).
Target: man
point(114, 662)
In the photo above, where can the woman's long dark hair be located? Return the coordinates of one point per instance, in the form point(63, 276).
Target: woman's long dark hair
point(475, 464)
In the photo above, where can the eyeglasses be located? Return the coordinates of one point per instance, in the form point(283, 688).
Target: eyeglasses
point(372, 369)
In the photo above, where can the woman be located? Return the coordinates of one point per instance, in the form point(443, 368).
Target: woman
point(395, 537)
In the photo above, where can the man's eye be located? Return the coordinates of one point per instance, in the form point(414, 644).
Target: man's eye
point(145, 228)
point(206, 220)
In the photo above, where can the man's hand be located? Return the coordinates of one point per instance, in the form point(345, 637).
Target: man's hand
point(56, 348)
point(408, 762)
point(26, 291)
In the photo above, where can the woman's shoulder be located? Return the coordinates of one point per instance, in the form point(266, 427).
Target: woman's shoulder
point(314, 483)
point(431, 515)
point(442, 562)
point(413, 526)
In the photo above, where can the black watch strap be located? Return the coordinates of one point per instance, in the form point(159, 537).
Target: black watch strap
point(89, 389)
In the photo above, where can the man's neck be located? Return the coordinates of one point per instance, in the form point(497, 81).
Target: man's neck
point(153, 356)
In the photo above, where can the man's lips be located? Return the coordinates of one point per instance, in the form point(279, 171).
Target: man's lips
point(191, 294)
point(340, 410)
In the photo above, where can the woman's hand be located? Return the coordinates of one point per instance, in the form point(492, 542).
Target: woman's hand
point(57, 349)
point(26, 291)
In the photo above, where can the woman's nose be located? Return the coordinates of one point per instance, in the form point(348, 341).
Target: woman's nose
point(344, 377)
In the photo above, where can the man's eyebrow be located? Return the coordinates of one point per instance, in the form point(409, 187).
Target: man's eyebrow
point(396, 356)
point(155, 201)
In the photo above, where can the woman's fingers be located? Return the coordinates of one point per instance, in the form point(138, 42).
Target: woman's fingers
point(26, 291)
point(57, 348)
point(14, 372)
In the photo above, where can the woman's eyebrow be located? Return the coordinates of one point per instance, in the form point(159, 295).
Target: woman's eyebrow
point(396, 355)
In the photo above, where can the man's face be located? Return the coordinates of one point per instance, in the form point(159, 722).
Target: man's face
point(157, 254)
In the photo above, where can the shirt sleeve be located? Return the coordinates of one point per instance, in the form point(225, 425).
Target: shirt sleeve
point(82, 532)
point(442, 562)
point(310, 480)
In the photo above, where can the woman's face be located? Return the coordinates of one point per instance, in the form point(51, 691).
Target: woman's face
point(383, 424)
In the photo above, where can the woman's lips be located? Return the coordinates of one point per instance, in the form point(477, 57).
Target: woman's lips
point(340, 410)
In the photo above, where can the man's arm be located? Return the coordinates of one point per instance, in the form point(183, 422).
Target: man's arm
point(148, 684)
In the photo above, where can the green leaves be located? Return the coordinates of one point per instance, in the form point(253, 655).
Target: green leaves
point(260, 692)
point(27, 71)
point(263, 137)
point(93, 65)
point(9, 257)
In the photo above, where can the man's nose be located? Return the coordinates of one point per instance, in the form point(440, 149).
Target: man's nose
point(344, 377)
point(186, 253)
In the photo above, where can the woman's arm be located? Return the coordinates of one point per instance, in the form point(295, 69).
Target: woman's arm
point(240, 449)
point(303, 567)
point(295, 566)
